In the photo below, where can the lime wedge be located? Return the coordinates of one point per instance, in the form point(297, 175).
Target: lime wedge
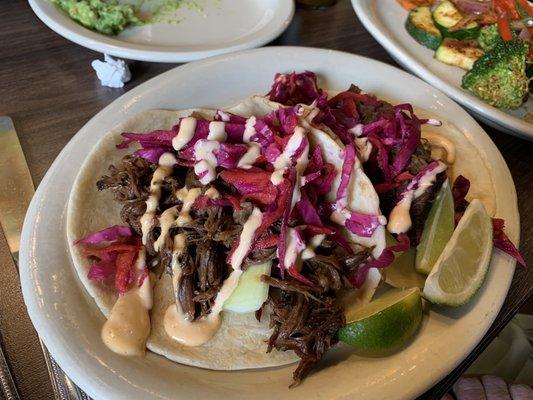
point(401, 273)
point(463, 264)
point(385, 324)
point(438, 230)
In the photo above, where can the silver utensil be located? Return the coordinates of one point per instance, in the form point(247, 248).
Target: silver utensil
point(17, 191)
point(7, 385)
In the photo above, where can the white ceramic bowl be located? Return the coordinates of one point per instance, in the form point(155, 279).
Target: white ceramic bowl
point(385, 20)
point(69, 322)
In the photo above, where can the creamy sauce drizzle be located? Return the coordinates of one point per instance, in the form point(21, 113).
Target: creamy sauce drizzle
point(340, 216)
point(441, 142)
point(212, 193)
point(357, 130)
point(166, 162)
point(248, 158)
point(217, 131)
point(185, 133)
point(245, 240)
point(174, 217)
point(186, 332)
point(295, 246)
point(364, 148)
point(128, 326)
point(196, 333)
point(180, 240)
point(166, 221)
point(400, 219)
point(301, 165)
point(187, 197)
point(284, 159)
point(309, 251)
point(249, 129)
point(314, 110)
point(204, 153)
point(205, 150)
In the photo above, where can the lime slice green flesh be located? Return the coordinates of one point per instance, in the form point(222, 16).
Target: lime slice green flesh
point(251, 292)
point(401, 273)
point(385, 324)
point(463, 264)
point(438, 230)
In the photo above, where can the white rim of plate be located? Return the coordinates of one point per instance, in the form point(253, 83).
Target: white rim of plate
point(84, 37)
point(46, 326)
point(499, 119)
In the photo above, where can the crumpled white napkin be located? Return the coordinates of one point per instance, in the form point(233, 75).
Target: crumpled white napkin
point(112, 73)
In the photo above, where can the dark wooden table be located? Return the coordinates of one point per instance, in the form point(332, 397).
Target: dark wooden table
point(49, 89)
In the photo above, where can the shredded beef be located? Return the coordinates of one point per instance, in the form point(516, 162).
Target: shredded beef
point(165, 252)
point(204, 260)
point(420, 158)
point(289, 285)
point(305, 318)
point(130, 183)
point(306, 326)
point(353, 261)
point(208, 237)
point(186, 285)
point(261, 256)
point(202, 274)
point(131, 213)
point(367, 112)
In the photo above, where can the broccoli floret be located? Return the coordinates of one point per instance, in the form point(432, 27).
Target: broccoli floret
point(529, 74)
point(489, 36)
point(499, 76)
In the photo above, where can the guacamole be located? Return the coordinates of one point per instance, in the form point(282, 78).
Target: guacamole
point(107, 17)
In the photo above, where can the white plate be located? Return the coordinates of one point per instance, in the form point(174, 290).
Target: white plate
point(385, 20)
point(69, 321)
point(213, 27)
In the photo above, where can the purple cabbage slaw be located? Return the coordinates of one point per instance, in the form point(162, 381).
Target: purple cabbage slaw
point(460, 189)
point(272, 133)
point(394, 132)
point(113, 252)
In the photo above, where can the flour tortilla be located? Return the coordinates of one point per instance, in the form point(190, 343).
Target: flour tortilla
point(240, 342)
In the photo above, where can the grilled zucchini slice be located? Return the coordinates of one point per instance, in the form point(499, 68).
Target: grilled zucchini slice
point(447, 16)
point(420, 26)
point(461, 53)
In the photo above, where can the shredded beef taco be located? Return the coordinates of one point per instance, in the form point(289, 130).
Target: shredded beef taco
point(115, 184)
point(239, 238)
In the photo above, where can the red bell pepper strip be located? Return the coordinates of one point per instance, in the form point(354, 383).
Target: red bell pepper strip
point(125, 271)
point(506, 8)
point(505, 29)
point(527, 7)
